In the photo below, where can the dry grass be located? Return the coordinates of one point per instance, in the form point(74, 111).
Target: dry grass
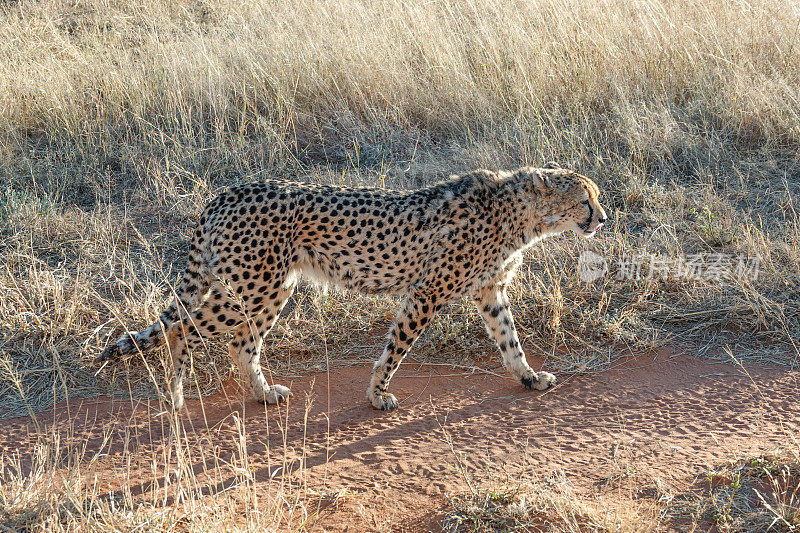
point(754, 494)
point(759, 493)
point(198, 479)
point(550, 505)
point(119, 120)
point(750, 494)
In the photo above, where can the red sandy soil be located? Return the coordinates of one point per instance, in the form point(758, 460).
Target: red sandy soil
point(664, 417)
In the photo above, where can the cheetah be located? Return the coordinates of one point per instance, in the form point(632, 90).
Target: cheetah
point(461, 237)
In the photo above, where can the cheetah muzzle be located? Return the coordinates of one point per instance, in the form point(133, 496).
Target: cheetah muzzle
point(463, 236)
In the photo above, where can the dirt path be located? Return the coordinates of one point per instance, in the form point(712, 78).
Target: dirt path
point(666, 417)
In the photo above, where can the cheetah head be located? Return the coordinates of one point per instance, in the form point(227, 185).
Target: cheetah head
point(576, 206)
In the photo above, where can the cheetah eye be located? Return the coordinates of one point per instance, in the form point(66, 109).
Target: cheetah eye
point(585, 202)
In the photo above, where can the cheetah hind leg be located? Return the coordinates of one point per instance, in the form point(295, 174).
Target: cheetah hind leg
point(179, 352)
point(247, 342)
point(245, 348)
point(186, 335)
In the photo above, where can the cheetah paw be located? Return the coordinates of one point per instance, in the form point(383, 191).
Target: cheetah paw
point(539, 381)
point(382, 400)
point(277, 394)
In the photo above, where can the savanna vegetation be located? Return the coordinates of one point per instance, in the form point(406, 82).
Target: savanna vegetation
point(119, 120)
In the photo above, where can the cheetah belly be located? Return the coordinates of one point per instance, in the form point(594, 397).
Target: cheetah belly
point(357, 273)
point(390, 264)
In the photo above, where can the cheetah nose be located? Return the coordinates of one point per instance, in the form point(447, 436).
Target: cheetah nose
point(600, 221)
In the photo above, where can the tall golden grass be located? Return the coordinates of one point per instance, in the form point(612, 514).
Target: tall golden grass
point(651, 78)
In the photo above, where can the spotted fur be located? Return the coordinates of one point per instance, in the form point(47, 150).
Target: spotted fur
point(463, 236)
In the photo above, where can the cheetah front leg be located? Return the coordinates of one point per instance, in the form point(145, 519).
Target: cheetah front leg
point(492, 302)
point(411, 320)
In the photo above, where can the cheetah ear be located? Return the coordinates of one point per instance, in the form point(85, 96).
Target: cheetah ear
point(525, 179)
point(552, 165)
point(543, 182)
point(534, 179)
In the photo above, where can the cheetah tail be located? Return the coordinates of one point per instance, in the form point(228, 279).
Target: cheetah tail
point(147, 339)
point(189, 294)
